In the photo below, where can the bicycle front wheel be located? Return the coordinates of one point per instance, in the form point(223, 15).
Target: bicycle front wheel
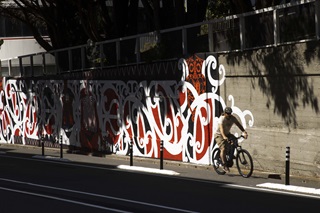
point(217, 163)
point(244, 163)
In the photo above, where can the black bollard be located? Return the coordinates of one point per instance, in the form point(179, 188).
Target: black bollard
point(161, 154)
point(131, 153)
point(42, 145)
point(61, 150)
point(287, 165)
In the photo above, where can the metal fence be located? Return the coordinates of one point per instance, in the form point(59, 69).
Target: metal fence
point(268, 27)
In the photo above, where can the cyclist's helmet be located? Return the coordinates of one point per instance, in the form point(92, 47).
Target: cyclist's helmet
point(228, 110)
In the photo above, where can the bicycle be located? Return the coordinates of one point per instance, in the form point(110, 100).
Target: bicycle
point(242, 157)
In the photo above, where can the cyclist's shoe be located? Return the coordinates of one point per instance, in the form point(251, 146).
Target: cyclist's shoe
point(217, 163)
point(226, 169)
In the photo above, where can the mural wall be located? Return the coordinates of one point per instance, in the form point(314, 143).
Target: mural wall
point(106, 115)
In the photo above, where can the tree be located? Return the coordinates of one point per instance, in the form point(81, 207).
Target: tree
point(173, 13)
point(73, 22)
point(125, 16)
point(55, 16)
point(67, 22)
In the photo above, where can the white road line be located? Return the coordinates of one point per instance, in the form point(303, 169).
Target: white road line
point(64, 200)
point(300, 189)
point(99, 195)
point(48, 157)
point(145, 169)
point(270, 190)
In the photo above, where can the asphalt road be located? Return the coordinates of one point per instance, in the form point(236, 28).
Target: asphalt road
point(40, 185)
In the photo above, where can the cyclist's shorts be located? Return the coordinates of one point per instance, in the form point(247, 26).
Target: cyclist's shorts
point(222, 143)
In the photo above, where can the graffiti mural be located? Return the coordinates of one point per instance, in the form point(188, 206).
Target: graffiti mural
point(107, 115)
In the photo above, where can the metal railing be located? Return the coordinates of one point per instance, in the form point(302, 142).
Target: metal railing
point(268, 27)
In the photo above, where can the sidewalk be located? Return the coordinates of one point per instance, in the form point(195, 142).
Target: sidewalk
point(173, 168)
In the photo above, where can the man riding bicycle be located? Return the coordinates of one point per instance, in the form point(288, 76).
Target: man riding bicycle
point(222, 135)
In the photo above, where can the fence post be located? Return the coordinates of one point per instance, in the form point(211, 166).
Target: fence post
point(242, 33)
point(210, 37)
point(317, 18)
point(287, 165)
point(184, 42)
point(276, 34)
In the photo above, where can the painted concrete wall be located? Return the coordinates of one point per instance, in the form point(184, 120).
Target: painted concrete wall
point(274, 92)
point(281, 87)
point(93, 114)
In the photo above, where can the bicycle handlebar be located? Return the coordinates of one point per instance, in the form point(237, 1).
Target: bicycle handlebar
point(231, 139)
point(241, 136)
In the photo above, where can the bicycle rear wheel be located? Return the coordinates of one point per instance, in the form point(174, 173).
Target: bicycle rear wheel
point(244, 163)
point(217, 163)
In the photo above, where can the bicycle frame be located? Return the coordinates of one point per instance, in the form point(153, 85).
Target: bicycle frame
point(236, 144)
point(241, 156)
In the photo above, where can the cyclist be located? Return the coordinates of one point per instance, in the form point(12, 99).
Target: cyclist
point(222, 135)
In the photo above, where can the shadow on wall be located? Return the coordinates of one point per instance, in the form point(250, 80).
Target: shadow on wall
point(312, 51)
point(283, 79)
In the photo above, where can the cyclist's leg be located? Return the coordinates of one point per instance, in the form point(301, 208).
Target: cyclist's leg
point(223, 157)
point(222, 146)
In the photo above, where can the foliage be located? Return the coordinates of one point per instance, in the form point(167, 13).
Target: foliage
point(218, 9)
point(74, 22)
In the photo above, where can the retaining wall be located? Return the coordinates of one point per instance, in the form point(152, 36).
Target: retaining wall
point(281, 87)
point(274, 92)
